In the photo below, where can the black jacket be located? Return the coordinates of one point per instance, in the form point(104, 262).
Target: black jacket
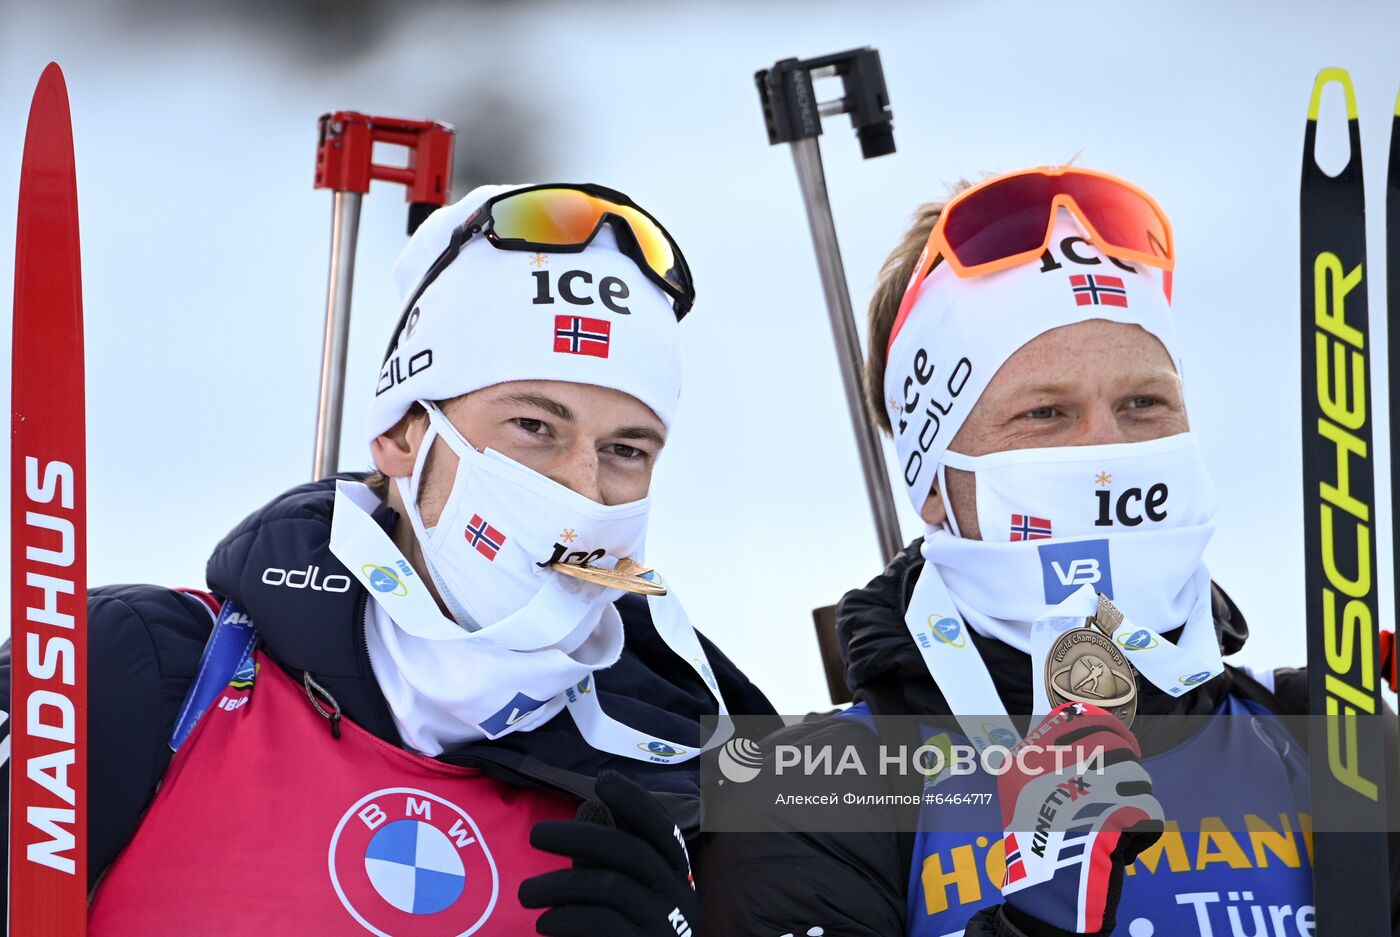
point(855, 884)
point(145, 644)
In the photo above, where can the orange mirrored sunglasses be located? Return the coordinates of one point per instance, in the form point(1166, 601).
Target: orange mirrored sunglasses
point(1007, 220)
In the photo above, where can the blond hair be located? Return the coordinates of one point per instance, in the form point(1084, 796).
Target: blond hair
point(890, 284)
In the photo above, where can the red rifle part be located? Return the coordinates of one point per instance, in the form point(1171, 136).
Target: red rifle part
point(345, 165)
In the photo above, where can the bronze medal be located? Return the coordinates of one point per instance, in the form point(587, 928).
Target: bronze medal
point(1085, 666)
point(628, 575)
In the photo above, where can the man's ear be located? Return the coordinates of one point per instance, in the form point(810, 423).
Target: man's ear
point(396, 451)
point(933, 512)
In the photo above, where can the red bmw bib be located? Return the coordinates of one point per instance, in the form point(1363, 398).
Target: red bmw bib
point(266, 824)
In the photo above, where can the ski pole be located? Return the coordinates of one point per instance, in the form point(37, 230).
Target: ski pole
point(345, 165)
point(1346, 746)
point(793, 116)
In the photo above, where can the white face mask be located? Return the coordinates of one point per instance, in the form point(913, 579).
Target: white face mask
point(1130, 519)
point(1082, 491)
point(501, 527)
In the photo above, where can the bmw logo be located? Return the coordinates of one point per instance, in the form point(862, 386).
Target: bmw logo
point(408, 861)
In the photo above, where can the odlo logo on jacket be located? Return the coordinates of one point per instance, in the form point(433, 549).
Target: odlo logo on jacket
point(308, 578)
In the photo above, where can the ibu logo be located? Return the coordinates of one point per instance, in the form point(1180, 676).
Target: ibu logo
point(1139, 640)
point(947, 630)
point(404, 860)
point(660, 751)
point(1065, 567)
point(385, 580)
point(1195, 678)
point(578, 690)
point(1000, 735)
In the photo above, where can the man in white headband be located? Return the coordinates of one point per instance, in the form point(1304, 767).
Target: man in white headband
point(415, 678)
point(1023, 356)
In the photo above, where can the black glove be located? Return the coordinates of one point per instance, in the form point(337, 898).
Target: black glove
point(631, 874)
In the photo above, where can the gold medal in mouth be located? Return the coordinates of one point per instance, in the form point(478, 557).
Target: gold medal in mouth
point(628, 575)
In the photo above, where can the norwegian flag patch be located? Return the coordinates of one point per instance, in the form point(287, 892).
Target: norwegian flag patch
point(1015, 868)
point(1097, 289)
point(1026, 527)
point(578, 335)
point(486, 539)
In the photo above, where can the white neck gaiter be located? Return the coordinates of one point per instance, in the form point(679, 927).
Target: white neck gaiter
point(526, 642)
point(1130, 521)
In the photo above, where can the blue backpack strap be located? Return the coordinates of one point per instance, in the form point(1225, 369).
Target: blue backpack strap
point(228, 657)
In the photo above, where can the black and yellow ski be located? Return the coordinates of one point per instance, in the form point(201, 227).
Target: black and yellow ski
point(1350, 879)
point(1392, 331)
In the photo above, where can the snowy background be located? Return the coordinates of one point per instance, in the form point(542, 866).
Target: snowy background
point(205, 246)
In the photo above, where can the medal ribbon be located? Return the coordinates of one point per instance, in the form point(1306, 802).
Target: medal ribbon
point(944, 642)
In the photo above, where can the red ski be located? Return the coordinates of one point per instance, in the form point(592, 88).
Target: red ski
point(48, 539)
